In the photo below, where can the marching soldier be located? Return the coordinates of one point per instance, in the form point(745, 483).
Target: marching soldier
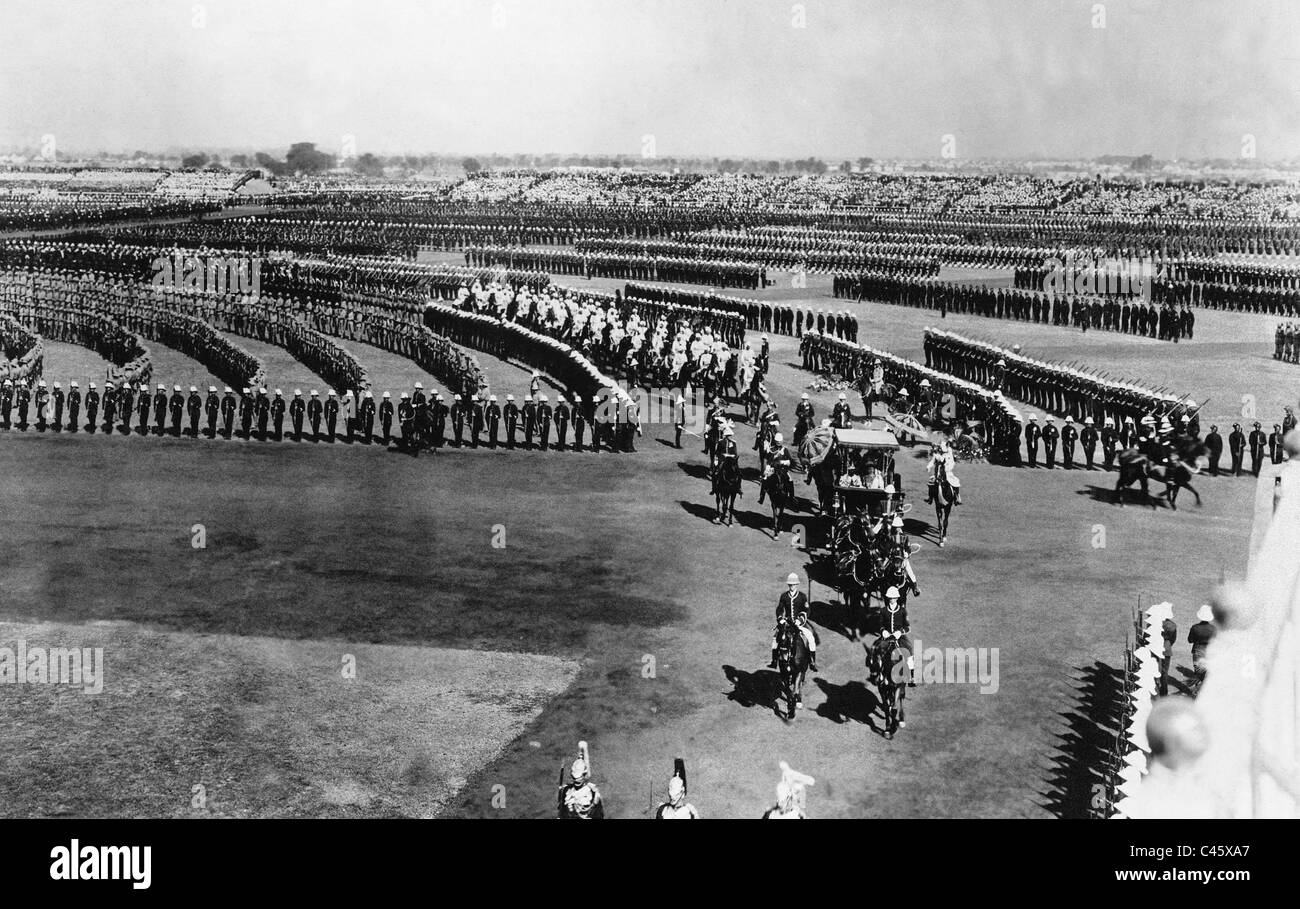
point(493, 416)
point(194, 407)
point(562, 416)
point(92, 407)
point(679, 419)
point(277, 414)
point(6, 402)
point(1214, 449)
point(212, 406)
point(110, 406)
point(297, 410)
point(1275, 452)
point(386, 417)
point(262, 408)
point(478, 418)
point(228, 408)
point(529, 413)
point(440, 412)
point(58, 399)
point(314, 412)
point(1088, 438)
point(74, 406)
point(1109, 438)
point(331, 415)
point(23, 396)
point(1032, 435)
point(143, 404)
point(544, 414)
point(367, 415)
point(457, 413)
point(1050, 437)
point(246, 413)
point(1069, 435)
point(176, 406)
point(1236, 448)
point(579, 422)
point(1257, 442)
point(160, 409)
point(512, 420)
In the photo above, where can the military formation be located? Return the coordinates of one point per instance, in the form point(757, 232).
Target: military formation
point(1287, 342)
point(759, 315)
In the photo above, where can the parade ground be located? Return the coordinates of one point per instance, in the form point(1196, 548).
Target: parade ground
point(501, 606)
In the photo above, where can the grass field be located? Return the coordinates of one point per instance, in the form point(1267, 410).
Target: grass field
point(615, 612)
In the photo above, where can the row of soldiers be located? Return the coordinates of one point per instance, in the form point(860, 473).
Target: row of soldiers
point(770, 253)
point(1276, 301)
point(719, 272)
point(759, 315)
point(1052, 386)
point(1287, 340)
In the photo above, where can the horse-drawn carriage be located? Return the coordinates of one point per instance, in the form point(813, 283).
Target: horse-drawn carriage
point(865, 481)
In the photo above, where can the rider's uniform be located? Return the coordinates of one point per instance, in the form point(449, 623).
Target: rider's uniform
point(794, 608)
point(950, 464)
point(775, 813)
point(683, 812)
point(894, 624)
point(582, 801)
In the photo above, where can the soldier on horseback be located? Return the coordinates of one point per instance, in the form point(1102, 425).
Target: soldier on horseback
point(896, 627)
point(793, 607)
point(899, 553)
point(941, 457)
point(804, 415)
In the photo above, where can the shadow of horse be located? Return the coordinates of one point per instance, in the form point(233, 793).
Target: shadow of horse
point(852, 702)
point(753, 689)
point(833, 617)
point(699, 510)
point(693, 469)
point(1132, 495)
point(916, 527)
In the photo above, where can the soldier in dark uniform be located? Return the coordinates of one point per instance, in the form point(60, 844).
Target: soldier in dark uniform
point(331, 415)
point(406, 417)
point(562, 423)
point(6, 402)
point(1109, 440)
point(579, 422)
point(477, 418)
point(228, 408)
point(277, 414)
point(110, 406)
point(194, 407)
point(544, 414)
point(314, 411)
point(529, 413)
point(142, 407)
point(493, 416)
point(42, 406)
point(58, 398)
point(457, 413)
point(74, 407)
point(1088, 439)
point(176, 405)
point(160, 410)
point(23, 397)
point(246, 407)
point(366, 410)
point(439, 413)
point(1069, 435)
point(1236, 448)
point(1214, 449)
point(212, 407)
point(262, 411)
point(1275, 452)
point(386, 417)
point(1050, 437)
point(512, 420)
point(1032, 435)
point(92, 409)
point(297, 411)
point(1258, 441)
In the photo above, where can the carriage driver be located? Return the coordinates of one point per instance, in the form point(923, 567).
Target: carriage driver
point(899, 542)
point(793, 606)
point(941, 453)
point(894, 624)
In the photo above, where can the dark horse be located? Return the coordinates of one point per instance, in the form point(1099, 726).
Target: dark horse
point(726, 487)
point(891, 681)
point(858, 570)
point(792, 660)
point(1166, 463)
point(779, 488)
point(417, 432)
point(943, 495)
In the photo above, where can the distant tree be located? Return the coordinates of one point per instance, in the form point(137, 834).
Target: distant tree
point(846, 167)
point(1142, 162)
point(865, 163)
point(194, 160)
point(271, 165)
point(239, 160)
point(304, 158)
point(368, 166)
point(471, 165)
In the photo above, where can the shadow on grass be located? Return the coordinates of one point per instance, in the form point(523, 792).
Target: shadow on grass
point(1083, 748)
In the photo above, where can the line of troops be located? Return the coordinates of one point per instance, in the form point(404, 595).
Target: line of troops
point(771, 254)
point(474, 420)
point(1050, 386)
point(723, 273)
point(759, 315)
point(1287, 340)
point(1129, 433)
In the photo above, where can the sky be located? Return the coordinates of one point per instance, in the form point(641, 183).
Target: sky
point(739, 78)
